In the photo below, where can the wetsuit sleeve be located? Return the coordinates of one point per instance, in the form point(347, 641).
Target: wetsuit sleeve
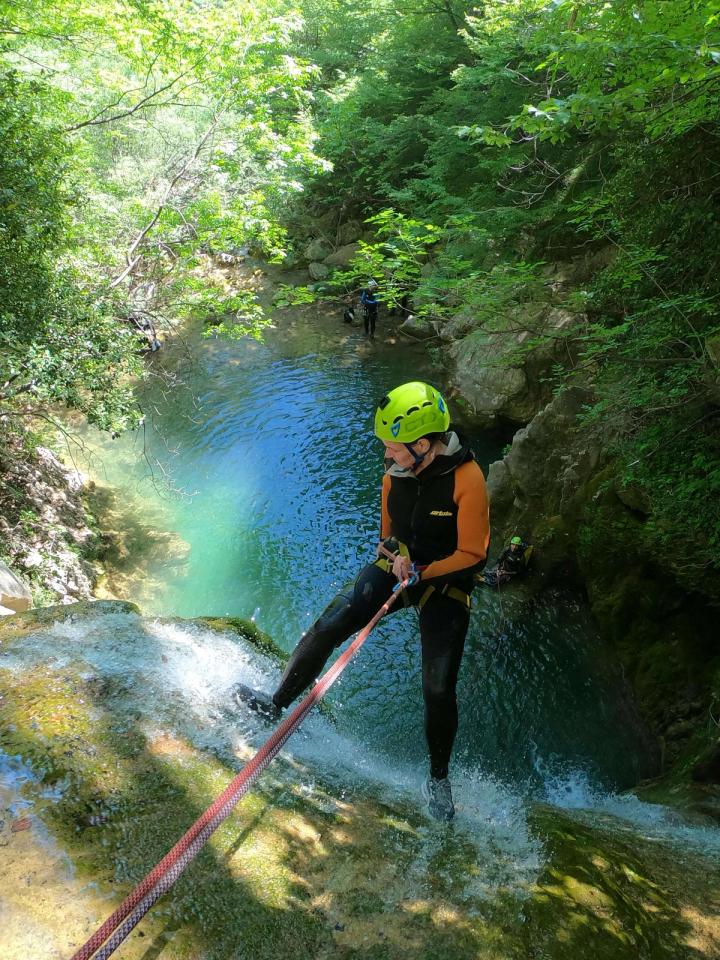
point(473, 522)
point(385, 530)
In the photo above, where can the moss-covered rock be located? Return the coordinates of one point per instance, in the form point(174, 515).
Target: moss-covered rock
point(560, 491)
point(247, 629)
point(609, 895)
point(22, 624)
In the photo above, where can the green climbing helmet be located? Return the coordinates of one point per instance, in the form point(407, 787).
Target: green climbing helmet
point(517, 541)
point(411, 411)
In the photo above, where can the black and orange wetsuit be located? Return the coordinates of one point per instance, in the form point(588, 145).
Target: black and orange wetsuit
point(439, 518)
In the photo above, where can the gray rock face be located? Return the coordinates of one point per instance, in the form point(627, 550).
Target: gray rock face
point(342, 256)
point(45, 546)
point(502, 372)
point(546, 466)
point(318, 271)
point(14, 594)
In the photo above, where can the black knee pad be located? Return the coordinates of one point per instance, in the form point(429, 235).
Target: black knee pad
point(337, 619)
point(352, 607)
point(438, 686)
point(372, 588)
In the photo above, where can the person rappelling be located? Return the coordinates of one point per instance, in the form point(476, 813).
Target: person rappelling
point(434, 530)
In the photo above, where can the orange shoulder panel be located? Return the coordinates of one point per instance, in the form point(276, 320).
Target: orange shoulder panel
point(473, 523)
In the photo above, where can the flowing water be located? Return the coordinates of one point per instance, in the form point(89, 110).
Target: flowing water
point(256, 479)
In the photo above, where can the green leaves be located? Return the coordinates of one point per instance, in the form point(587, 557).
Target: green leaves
point(140, 138)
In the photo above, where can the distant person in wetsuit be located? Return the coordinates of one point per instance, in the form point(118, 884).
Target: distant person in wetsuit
point(512, 561)
point(370, 301)
point(435, 523)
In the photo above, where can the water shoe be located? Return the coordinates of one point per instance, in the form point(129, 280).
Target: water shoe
point(439, 799)
point(261, 703)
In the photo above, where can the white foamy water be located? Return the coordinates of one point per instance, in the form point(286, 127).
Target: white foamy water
point(653, 821)
point(174, 677)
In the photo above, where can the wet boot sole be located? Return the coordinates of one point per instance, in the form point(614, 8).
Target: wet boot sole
point(253, 700)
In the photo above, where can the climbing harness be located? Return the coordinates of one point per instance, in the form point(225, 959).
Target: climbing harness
point(118, 926)
point(447, 590)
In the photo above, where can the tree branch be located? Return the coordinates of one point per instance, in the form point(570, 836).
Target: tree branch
point(98, 118)
point(130, 255)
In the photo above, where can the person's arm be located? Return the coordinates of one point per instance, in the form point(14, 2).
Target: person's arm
point(473, 521)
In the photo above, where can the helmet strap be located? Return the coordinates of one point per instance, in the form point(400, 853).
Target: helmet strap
point(417, 457)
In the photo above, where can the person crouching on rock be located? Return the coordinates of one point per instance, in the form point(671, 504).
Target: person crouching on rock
point(512, 562)
point(434, 522)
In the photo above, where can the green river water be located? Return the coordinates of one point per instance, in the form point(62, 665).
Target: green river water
point(274, 501)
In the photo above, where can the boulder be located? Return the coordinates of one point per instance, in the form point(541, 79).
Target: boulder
point(418, 328)
point(318, 271)
point(317, 249)
point(349, 232)
point(496, 387)
point(342, 256)
point(6, 611)
point(326, 222)
point(14, 594)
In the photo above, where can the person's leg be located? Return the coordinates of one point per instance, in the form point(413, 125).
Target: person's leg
point(373, 320)
point(443, 626)
point(366, 320)
point(350, 610)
